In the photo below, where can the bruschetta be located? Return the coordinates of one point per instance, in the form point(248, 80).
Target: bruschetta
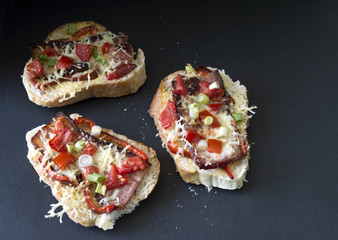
point(95, 174)
point(79, 61)
point(201, 116)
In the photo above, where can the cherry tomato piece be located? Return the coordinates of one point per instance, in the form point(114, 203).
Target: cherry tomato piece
point(168, 115)
point(64, 63)
point(193, 136)
point(133, 164)
point(114, 179)
point(59, 141)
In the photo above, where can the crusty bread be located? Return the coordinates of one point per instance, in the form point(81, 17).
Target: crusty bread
point(75, 91)
point(72, 199)
point(187, 168)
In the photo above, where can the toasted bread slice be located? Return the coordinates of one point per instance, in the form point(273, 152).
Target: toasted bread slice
point(111, 156)
point(70, 66)
point(226, 169)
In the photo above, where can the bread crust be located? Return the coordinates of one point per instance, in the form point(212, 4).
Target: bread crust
point(99, 87)
point(187, 168)
point(143, 190)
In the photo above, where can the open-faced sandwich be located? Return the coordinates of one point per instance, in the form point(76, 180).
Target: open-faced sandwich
point(94, 173)
point(202, 116)
point(79, 61)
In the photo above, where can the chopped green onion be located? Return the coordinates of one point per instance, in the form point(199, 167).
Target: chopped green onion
point(70, 148)
point(208, 120)
point(51, 62)
point(202, 145)
point(72, 28)
point(94, 52)
point(101, 189)
point(95, 177)
point(237, 116)
point(101, 59)
point(43, 58)
point(214, 85)
point(189, 68)
point(194, 105)
point(194, 112)
point(80, 145)
point(222, 132)
point(96, 131)
point(202, 98)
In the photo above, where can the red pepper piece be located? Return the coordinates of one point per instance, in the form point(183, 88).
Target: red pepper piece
point(124, 144)
point(206, 113)
point(114, 179)
point(84, 51)
point(60, 178)
point(229, 172)
point(84, 121)
point(120, 71)
point(174, 149)
point(168, 115)
point(92, 206)
point(63, 159)
point(180, 87)
point(133, 164)
point(214, 146)
point(193, 136)
point(64, 63)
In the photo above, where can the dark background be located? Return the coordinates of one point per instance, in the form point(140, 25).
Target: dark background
point(284, 52)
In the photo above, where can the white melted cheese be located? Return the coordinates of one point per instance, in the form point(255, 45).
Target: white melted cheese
point(68, 89)
point(71, 198)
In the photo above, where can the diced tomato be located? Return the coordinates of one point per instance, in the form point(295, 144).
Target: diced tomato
point(216, 94)
point(193, 136)
point(84, 51)
point(215, 107)
point(90, 149)
point(203, 71)
point(133, 164)
point(174, 149)
point(206, 113)
point(38, 68)
point(180, 87)
point(204, 88)
point(106, 47)
point(34, 69)
point(50, 52)
point(91, 30)
point(120, 71)
point(84, 121)
point(115, 180)
point(64, 63)
point(59, 141)
point(168, 115)
point(63, 159)
point(214, 146)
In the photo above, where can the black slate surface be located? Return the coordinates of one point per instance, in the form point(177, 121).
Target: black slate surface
point(284, 52)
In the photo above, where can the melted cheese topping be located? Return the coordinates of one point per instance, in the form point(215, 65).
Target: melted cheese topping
point(71, 197)
point(230, 141)
point(68, 89)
